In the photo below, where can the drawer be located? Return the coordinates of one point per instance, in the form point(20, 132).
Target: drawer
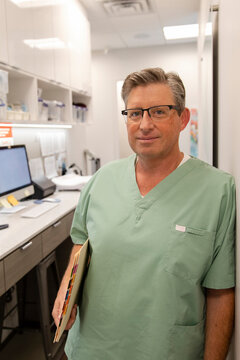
point(54, 235)
point(2, 282)
point(22, 260)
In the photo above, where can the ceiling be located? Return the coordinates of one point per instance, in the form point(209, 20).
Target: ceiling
point(117, 24)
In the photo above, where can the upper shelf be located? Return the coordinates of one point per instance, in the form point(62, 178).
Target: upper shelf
point(35, 96)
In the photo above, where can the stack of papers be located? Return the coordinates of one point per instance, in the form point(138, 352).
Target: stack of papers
point(11, 209)
point(70, 181)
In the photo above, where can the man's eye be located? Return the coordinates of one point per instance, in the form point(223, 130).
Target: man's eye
point(158, 112)
point(135, 114)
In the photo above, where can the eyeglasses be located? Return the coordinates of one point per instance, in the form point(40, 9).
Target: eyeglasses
point(157, 113)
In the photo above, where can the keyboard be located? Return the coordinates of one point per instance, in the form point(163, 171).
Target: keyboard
point(38, 209)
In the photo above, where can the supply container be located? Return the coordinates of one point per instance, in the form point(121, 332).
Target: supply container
point(16, 107)
point(3, 82)
point(3, 107)
point(3, 94)
point(79, 112)
point(42, 110)
point(17, 112)
point(83, 110)
point(62, 110)
point(55, 110)
point(40, 107)
point(25, 114)
point(75, 112)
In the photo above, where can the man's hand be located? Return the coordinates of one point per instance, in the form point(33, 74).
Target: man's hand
point(57, 311)
point(72, 318)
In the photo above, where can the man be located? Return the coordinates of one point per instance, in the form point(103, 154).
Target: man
point(161, 226)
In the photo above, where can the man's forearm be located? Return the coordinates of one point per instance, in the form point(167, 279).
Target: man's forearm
point(219, 323)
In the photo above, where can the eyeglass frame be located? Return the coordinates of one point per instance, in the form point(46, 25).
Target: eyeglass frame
point(124, 112)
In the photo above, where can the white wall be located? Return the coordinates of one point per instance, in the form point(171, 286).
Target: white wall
point(206, 102)
point(229, 115)
point(107, 69)
point(31, 138)
point(205, 73)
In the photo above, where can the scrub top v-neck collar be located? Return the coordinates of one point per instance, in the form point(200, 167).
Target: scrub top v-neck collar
point(161, 188)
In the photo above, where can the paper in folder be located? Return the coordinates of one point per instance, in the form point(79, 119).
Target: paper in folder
point(76, 279)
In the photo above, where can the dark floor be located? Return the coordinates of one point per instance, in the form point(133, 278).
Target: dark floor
point(25, 346)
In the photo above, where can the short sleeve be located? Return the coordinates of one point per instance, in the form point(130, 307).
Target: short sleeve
point(221, 274)
point(79, 233)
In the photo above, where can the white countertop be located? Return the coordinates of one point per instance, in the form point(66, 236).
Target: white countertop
point(21, 229)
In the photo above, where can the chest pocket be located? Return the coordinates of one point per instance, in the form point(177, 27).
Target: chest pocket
point(189, 253)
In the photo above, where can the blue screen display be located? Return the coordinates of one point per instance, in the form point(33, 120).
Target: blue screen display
point(14, 170)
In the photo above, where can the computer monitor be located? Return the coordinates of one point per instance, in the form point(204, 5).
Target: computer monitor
point(15, 176)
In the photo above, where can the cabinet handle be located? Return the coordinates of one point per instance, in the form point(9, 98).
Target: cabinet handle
point(57, 224)
point(24, 247)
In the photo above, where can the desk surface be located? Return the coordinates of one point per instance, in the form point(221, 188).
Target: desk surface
point(21, 229)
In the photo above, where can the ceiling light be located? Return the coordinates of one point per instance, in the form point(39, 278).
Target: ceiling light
point(185, 31)
point(36, 3)
point(44, 44)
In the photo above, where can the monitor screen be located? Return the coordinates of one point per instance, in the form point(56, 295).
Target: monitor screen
point(15, 177)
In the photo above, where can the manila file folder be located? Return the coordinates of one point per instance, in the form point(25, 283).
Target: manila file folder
point(75, 283)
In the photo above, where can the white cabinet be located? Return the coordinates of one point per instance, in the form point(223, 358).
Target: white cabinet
point(34, 23)
point(66, 22)
point(61, 55)
point(63, 73)
point(20, 28)
point(43, 31)
point(86, 57)
point(3, 33)
point(79, 36)
point(74, 25)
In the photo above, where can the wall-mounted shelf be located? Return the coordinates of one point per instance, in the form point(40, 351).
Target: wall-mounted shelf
point(25, 88)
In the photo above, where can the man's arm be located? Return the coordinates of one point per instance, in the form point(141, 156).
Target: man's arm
point(219, 323)
point(58, 304)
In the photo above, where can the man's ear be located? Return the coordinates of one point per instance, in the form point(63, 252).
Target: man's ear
point(185, 117)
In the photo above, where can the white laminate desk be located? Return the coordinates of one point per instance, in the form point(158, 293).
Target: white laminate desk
point(27, 241)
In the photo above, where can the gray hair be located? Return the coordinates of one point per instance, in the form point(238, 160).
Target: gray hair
point(153, 76)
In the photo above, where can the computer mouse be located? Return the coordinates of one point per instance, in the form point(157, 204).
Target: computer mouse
point(38, 201)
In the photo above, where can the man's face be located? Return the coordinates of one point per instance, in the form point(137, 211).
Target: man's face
point(155, 139)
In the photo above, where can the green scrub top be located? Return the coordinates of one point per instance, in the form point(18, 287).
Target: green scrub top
point(151, 259)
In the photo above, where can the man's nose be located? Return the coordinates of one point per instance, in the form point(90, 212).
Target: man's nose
point(146, 122)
